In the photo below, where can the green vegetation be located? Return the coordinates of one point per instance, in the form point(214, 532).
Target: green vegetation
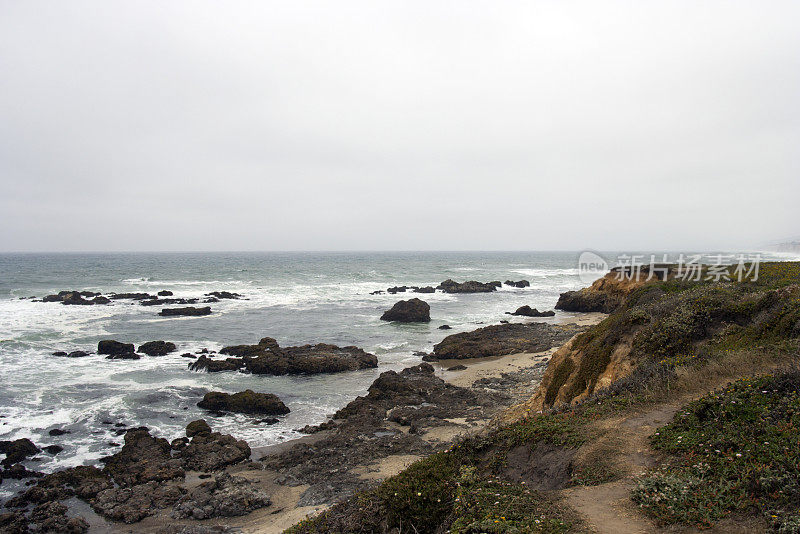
point(733, 451)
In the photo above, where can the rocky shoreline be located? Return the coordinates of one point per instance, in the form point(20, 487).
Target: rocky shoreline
point(206, 475)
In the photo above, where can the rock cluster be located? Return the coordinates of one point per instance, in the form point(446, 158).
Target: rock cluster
point(409, 311)
point(157, 348)
point(267, 357)
point(143, 477)
point(520, 283)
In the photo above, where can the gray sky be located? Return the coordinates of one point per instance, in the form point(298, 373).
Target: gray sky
point(398, 125)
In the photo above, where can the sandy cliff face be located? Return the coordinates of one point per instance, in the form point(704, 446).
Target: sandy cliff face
point(608, 293)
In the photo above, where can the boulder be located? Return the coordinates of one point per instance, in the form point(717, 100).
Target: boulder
point(114, 348)
point(521, 283)
point(450, 286)
point(189, 311)
point(17, 450)
point(197, 427)
point(445, 327)
point(397, 289)
point(527, 311)
point(157, 348)
point(248, 402)
point(498, 340)
point(409, 311)
point(164, 293)
point(426, 289)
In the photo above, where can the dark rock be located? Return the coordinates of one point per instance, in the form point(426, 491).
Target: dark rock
point(82, 481)
point(132, 296)
point(52, 517)
point(450, 286)
point(164, 293)
point(132, 504)
point(179, 443)
point(268, 421)
point(124, 356)
point(426, 289)
point(204, 363)
point(268, 358)
point(77, 354)
point(157, 348)
point(225, 496)
point(212, 451)
point(75, 299)
point(521, 283)
point(457, 368)
point(197, 427)
point(409, 311)
point(53, 449)
point(445, 327)
point(59, 353)
point(498, 340)
point(224, 295)
point(527, 311)
point(397, 289)
point(101, 300)
point(18, 472)
point(188, 355)
point(114, 348)
point(376, 292)
point(190, 311)
point(17, 450)
point(58, 432)
point(167, 301)
point(247, 401)
point(142, 459)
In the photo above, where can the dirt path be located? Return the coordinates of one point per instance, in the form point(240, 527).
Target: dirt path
point(607, 508)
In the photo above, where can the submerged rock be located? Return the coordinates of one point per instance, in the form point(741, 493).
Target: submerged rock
point(165, 293)
point(527, 311)
point(189, 311)
point(223, 295)
point(248, 402)
point(157, 348)
point(409, 311)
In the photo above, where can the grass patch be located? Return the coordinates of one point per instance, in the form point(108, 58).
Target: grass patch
point(733, 451)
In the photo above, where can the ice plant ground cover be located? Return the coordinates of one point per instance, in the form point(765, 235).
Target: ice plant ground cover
point(734, 451)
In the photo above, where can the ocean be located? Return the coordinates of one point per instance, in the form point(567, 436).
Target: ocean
point(297, 298)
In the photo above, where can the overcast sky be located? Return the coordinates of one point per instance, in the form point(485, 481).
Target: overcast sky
point(352, 125)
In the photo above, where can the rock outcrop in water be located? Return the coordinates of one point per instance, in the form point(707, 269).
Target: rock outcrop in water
point(189, 311)
point(116, 350)
point(247, 402)
point(520, 283)
point(267, 357)
point(409, 311)
point(157, 348)
point(450, 286)
point(527, 311)
point(498, 340)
